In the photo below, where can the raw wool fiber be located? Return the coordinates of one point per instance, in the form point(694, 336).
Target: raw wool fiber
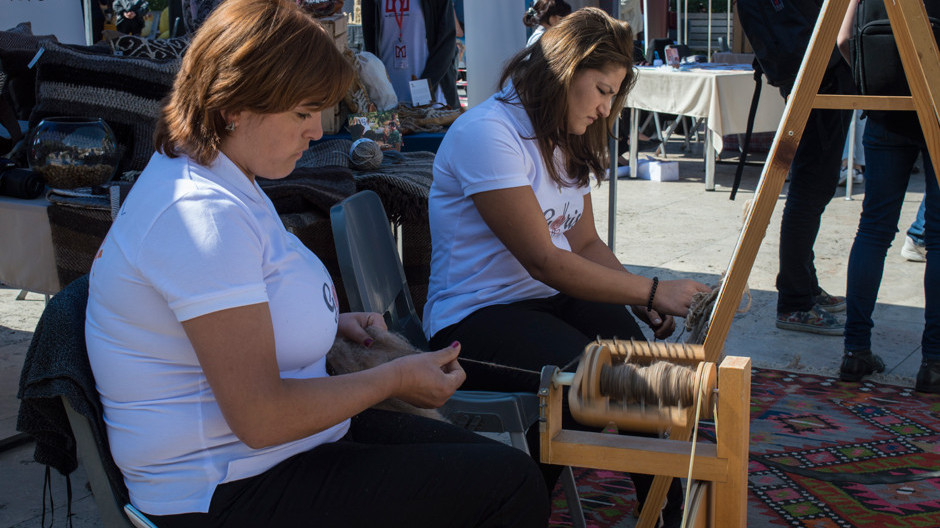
point(426, 118)
point(345, 357)
point(82, 81)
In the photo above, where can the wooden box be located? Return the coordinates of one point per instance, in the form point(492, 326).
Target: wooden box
point(335, 25)
point(333, 119)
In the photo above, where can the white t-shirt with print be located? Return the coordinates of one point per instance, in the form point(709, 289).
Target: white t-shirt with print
point(484, 150)
point(188, 241)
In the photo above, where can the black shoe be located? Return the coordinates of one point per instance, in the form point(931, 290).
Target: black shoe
point(643, 145)
point(857, 365)
point(928, 377)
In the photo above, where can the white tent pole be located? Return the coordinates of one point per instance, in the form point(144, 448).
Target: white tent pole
point(494, 34)
point(685, 19)
point(89, 37)
point(682, 27)
point(709, 31)
point(728, 25)
point(646, 31)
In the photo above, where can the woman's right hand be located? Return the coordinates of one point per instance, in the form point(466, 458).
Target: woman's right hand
point(428, 380)
point(674, 297)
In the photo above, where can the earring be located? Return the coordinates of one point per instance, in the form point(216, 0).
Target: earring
point(230, 127)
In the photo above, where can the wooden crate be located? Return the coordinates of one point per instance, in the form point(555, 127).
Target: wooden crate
point(334, 24)
point(333, 119)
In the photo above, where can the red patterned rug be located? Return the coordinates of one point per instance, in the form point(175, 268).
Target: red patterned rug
point(824, 454)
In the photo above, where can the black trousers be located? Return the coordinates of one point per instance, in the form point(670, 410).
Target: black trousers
point(814, 177)
point(526, 335)
point(390, 470)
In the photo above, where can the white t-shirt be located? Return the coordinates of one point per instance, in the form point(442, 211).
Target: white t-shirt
point(485, 149)
point(188, 241)
point(536, 35)
point(404, 45)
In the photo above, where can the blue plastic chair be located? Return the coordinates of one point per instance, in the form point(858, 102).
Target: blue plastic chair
point(374, 281)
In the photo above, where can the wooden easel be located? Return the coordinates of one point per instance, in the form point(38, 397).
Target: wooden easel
point(723, 466)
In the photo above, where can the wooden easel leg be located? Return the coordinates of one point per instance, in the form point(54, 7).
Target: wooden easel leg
point(656, 497)
point(733, 431)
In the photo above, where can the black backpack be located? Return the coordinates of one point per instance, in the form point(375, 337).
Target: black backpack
point(779, 32)
point(876, 63)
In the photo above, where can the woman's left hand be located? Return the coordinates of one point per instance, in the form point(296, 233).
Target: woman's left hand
point(352, 326)
point(663, 326)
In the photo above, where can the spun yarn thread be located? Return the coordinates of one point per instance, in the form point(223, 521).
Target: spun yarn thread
point(660, 383)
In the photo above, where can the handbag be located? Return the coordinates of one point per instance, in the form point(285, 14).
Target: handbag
point(876, 64)
point(779, 32)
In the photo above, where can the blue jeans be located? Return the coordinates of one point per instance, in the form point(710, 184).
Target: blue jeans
point(889, 157)
point(916, 231)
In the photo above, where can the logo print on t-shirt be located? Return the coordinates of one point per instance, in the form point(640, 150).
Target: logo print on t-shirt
point(561, 223)
point(329, 299)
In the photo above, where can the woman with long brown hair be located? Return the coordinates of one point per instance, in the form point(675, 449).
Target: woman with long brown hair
point(518, 272)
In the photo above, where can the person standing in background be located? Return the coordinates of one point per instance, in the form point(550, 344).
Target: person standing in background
point(892, 143)
point(544, 14)
point(415, 39)
point(914, 248)
point(129, 15)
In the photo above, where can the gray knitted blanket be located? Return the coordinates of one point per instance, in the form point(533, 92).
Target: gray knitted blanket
point(57, 365)
point(402, 181)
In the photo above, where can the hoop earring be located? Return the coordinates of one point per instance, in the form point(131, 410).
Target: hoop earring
point(230, 127)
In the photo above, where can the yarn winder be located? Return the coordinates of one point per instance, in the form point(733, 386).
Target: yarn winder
point(686, 384)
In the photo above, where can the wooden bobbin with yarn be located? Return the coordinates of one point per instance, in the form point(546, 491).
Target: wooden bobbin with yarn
point(640, 387)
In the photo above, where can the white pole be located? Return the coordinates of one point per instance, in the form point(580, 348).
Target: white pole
point(646, 32)
point(728, 26)
point(685, 20)
point(494, 33)
point(709, 31)
point(89, 37)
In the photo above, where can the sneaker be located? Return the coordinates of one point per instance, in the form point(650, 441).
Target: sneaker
point(913, 251)
point(815, 320)
point(857, 177)
point(928, 377)
point(857, 365)
point(830, 303)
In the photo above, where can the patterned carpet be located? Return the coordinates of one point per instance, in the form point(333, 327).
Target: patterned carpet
point(824, 454)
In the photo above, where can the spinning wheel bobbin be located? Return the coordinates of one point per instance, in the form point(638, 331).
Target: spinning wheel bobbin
point(590, 405)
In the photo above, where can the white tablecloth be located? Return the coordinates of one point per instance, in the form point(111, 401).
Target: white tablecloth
point(27, 258)
point(721, 96)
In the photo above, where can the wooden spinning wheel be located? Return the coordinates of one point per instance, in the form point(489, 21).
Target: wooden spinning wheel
point(718, 494)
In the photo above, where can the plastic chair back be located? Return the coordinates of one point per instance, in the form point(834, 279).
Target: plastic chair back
point(371, 268)
point(112, 513)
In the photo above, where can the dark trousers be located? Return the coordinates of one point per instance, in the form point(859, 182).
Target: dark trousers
point(814, 176)
point(528, 335)
point(889, 157)
point(130, 26)
point(390, 470)
point(525, 336)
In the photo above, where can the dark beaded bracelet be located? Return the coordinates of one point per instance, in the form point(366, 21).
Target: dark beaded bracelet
point(649, 305)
